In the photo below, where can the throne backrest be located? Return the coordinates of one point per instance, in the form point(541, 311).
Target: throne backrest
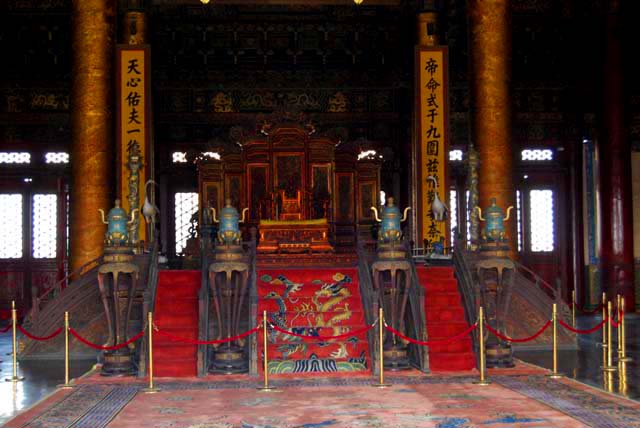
point(291, 207)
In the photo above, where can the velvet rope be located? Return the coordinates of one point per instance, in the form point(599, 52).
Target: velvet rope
point(587, 331)
point(614, 323)
point(43, 338)
point(323, 338)
point(586, 312)
point(206, 342)
point(6, 329)
point(105, 348)
point(432, 342)
point(526, 339)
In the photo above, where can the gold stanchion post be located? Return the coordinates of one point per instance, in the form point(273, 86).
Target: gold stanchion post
point(483, 362)
point(381, 383)
point(265, 387)
point(604, 330)
point(622, 356)
point(66, 384)
point(619, 330)
point(151, 389)
point(573, 308)
point(554, 374)
point(609, 367)
point(14, 353)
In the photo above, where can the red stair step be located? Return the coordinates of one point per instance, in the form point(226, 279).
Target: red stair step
point(451, 361)
point(177, 314)
point(443, 299)
point(450, 313)
point(175, 367)
point(461, 345)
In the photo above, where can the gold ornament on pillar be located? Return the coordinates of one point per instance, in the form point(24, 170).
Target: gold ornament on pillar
point(428, 29)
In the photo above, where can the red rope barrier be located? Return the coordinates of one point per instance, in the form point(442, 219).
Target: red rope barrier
point(6, 329)
point(43, 338)
point(587, 331)
point(105, 348)
point(526, 339)
point(614, 323)
point(339, 336)
point(432, 342)
point(207, 342)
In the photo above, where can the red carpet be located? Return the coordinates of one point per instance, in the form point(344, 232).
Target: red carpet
point(313, 302)
point(176, 312)
point(445, 318)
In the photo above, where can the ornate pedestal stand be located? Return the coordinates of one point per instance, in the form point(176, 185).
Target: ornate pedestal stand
point(228, 281)
point(118, 261)
point(495, 295)
point(391, 280)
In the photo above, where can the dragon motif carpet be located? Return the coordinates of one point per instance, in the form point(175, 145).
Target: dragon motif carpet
point(317, 303)
point(525, 401)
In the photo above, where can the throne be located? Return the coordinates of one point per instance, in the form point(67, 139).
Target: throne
point(291, 207)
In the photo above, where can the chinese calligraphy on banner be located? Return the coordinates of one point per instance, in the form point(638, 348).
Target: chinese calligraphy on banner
point(432, 133)
point(133, 124)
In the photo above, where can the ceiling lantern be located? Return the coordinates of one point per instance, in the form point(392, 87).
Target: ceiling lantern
point(358, 1)
point(204, 1)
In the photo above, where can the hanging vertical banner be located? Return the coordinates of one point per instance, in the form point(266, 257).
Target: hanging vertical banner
point(432, 122)
point(133, 103)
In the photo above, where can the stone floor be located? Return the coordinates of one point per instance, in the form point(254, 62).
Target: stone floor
point(584, 364)
point(41, 378)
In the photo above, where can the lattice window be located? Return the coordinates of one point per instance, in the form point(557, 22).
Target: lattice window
point(453, 214)
point(11, 226)
point(211, 155)
point(455, 155)
point(467, 195)
point(536, 155)
point(519, 218)
point(56, 157)
point(179, 157)
point(45, 231)
point(15, 157)
point(186, 204)
point(542, 220)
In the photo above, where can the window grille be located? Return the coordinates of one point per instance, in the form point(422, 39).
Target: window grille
point(56, 157)
point(15, 157)
point(467, 195)
point(186, 205)
point(519, 219)
point(11, 226)
point(536, 155)
point(455, 155)
point(453, 215)
point(212, 155)
point(45, 229)
point(542, 220)
point(179, 157)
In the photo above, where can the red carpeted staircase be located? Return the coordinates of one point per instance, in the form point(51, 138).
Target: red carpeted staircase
point(320, 302)
point(176, 312)
point(445, 318)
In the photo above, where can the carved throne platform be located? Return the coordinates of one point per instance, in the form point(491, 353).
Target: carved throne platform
point(294, 236)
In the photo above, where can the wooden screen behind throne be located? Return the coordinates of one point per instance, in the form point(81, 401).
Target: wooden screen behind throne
point(292, 176)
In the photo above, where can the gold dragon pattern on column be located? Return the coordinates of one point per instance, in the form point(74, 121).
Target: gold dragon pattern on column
point(91, 125)
point(491, 114)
